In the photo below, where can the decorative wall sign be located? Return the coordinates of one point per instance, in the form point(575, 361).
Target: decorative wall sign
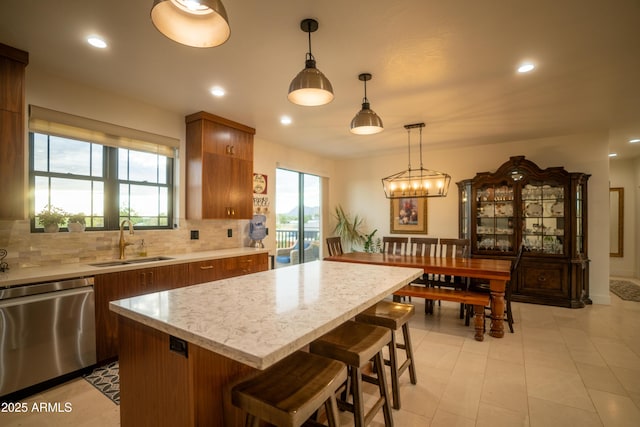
point(409, 215)
point(259, 183)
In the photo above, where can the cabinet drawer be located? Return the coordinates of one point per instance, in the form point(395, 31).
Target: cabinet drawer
point(544, 279)
point(202, 272)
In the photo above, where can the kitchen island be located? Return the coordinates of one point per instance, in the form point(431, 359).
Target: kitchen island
point(180, 350)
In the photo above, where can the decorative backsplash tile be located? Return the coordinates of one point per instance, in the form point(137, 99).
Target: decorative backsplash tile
point(26, 249)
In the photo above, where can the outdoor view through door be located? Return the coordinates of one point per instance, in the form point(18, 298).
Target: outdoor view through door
point(297, 217)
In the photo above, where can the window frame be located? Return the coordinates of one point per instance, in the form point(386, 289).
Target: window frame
point(111, 183)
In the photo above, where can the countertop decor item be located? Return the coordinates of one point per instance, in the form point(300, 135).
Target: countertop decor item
point(416, 183)
point(366, 122)
point(51, 218)
point(202, 23)
point(310, 87)
point(76, 223)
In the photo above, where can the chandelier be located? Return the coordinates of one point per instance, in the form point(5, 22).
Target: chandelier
point(416, 183)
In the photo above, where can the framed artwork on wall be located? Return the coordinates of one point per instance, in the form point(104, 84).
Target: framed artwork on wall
point(408, 216)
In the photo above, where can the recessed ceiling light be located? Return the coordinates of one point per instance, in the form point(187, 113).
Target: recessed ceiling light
point(613, 154)
point(285, 120)
point(526, 67)
point(217, 91)
point(633, 141)
point(96, 41)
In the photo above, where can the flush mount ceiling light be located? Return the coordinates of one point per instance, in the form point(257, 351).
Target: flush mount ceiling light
point(525, 67)
point(310, 87)
point(195, 23)
point(97, 41)
point(416, 183)
point(366, 122)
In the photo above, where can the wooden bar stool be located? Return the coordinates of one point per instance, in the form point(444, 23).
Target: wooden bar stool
point(393, 315)
point(355, 344)
point(288, 393)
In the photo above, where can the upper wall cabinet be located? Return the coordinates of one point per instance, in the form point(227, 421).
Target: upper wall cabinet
point(12, 109)
point(219, 155)
point(544, 210)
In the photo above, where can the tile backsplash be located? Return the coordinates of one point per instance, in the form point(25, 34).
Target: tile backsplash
point(26, 249)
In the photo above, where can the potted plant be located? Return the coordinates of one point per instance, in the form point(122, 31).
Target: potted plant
point(76, 223)
point(348, 230)
point(51, 218)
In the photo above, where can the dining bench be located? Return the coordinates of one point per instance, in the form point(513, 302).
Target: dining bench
point(477, 299)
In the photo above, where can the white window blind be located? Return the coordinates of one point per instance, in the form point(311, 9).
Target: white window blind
point(52, 122)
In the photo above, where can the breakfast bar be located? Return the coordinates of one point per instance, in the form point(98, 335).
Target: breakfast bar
point(180, 350)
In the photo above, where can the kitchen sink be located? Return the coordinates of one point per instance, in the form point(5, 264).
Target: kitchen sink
point(139, 260)
point(130, 261)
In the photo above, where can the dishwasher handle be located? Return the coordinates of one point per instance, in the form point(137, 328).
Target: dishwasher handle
point(42, 288)
point(30, 299)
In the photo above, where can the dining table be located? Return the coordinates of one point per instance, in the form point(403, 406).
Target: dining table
point(496, 272)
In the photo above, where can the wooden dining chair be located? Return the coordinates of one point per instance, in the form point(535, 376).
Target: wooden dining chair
point(334, 245)
point(395, 245)
point(454, 248)
point(484, 287)
point(424, 246)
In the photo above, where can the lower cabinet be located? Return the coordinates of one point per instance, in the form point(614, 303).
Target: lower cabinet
point(125, 284)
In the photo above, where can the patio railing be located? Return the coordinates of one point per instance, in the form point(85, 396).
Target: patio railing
point(287, 238)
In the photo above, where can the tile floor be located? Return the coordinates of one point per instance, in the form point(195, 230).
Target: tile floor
point(562, 367)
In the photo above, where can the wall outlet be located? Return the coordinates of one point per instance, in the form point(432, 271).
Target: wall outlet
point(229, 232)
point(195, 234)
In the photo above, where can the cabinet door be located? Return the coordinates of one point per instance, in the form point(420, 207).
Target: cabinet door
point(225, 141)
point(124, 284)
point(227, 190)
point(544, 280)
point(543, 218)
point(495, 218)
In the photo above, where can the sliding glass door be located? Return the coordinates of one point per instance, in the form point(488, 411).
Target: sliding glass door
point(297, 217)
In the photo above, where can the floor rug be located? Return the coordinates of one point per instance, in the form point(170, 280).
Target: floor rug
point(106, 379)
point(626, 290)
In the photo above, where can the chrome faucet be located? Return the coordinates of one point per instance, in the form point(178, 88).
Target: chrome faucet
point(123, 243)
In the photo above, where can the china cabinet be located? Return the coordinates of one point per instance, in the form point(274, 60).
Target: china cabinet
point(543, 209)
point(219, 155)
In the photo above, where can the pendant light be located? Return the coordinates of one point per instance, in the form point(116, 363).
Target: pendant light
point(310, 87)
point(195, 23)
point(366, 122)
point(416, 183)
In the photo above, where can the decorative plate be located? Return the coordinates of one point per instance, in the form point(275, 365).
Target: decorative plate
point(533, 209)
point(557, 209)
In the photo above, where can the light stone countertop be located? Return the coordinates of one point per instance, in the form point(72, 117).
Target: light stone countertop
point(21, 276)
point(260, 318)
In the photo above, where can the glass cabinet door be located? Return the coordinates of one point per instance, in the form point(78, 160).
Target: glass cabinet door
point(579, 219)
point(543, 218)
point(494, 218)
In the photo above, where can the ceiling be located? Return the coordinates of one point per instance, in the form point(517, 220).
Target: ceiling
point(450, 64)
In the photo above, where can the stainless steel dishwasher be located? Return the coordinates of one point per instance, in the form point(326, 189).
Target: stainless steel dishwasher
point(46, 330)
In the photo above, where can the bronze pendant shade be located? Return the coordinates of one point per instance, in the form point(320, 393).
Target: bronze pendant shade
point(195, 23)
point(310, 87)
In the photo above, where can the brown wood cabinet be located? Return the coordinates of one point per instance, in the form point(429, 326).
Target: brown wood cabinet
point(238, 266)
point(544, 210)
point(124, 284)
point(12, 146)
point(219, 155)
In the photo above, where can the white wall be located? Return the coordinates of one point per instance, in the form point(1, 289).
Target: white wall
point(623, 173)
point(361, 190)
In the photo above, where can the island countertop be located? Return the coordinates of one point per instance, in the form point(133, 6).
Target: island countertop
point(261, 318)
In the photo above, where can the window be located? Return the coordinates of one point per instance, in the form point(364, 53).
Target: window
point(107, 184)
